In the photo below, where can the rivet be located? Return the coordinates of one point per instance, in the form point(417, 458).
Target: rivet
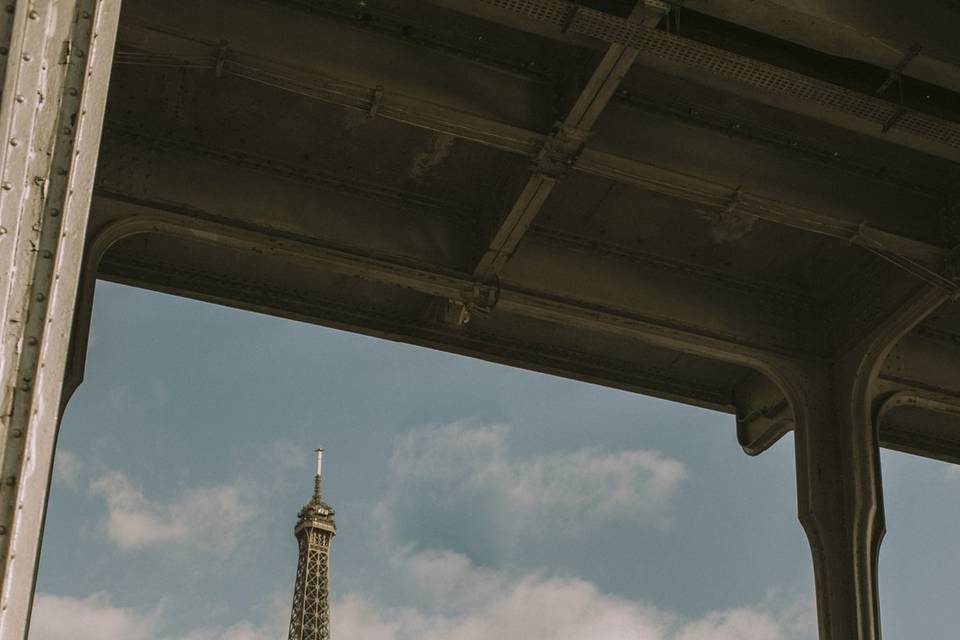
point(48, 254)
point(41, 297)
point(16, 433)
point(79, 53)
point(14, 142)
point(4, 51)
point(61, 171)
point(27, 57)
point(54, 213)
point(32, 340)
point(85, 15)
point(3, 231)
point(9, 8)
point(19, 98)
point(6, 186)
point(33, 15)
point(10, 481)
point(3, 530)
point(72, 91)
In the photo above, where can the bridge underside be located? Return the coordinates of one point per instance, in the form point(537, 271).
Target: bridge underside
point(751, 209)
point(356, 171)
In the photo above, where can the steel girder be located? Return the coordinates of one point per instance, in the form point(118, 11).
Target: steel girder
point(57, 65)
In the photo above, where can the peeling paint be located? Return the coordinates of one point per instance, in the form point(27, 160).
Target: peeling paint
point(426, 162)
point(731, 226)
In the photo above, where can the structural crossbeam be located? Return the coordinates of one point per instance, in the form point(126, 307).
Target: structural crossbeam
point(766, 82)
point(559, 152)
point(848, 225)
point(451, 285)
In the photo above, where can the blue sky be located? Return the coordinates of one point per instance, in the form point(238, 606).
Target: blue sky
point(473, 500)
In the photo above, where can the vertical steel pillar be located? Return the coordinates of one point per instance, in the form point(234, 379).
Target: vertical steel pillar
point(56, 57)
point(839, 493)
point(840, 505)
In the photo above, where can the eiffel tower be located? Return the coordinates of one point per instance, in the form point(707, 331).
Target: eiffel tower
point(310, 617)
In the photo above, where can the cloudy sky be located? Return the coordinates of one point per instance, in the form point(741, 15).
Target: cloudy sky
point(473, 501)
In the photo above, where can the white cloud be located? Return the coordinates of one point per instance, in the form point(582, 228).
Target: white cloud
point(241, 631)
point(96, 618)
point(90, 618)
point(737, 624)
point(465, 462)
point(277, 615)
point(466, 602)
point(66, 468)
point(470, 469)
point(207, 518)
point(473, 603)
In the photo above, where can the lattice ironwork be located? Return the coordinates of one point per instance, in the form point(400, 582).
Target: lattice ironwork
point(310, 616)
point(568, 17)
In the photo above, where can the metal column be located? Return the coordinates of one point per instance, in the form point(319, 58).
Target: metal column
point(56, 57)
point(839, 489)
point(841, 510)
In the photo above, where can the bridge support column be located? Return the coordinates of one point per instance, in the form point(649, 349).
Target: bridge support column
point(839, 493)
point(55, 59)
point(840, 505)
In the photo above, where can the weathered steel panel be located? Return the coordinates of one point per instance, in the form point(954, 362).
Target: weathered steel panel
point(55, 86)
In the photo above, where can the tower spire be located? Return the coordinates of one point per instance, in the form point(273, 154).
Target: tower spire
point(316, 478)
point(310, 616)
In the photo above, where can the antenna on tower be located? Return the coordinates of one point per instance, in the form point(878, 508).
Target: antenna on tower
point(316, 479)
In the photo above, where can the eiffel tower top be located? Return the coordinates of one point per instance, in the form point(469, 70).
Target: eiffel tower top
point(317, 513)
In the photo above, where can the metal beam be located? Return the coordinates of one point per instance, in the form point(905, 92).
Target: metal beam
point(714, 66)
point(146, 217)
point(50, 121)
point(850, 29)
point(559, 152)
point(265, 197)
point(262, 295)
point(847, 224)
point(714, 196)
